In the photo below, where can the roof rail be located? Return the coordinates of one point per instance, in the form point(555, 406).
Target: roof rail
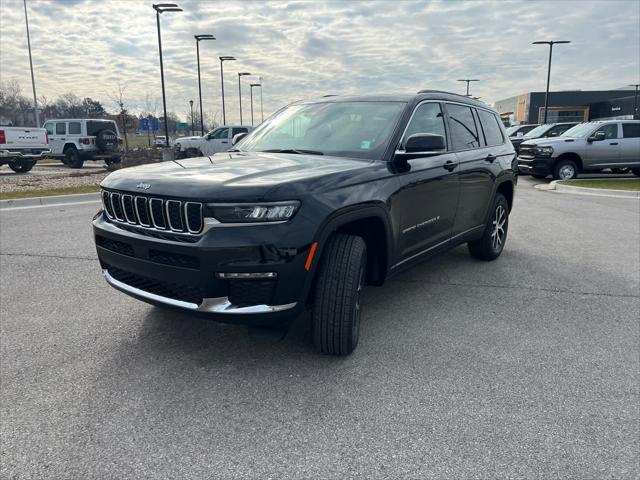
point(330, 95)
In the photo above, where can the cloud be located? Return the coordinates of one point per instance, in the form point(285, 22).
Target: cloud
point(303, 49)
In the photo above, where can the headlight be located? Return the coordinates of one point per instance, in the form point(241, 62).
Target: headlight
point(545, 151)
point(243, 213)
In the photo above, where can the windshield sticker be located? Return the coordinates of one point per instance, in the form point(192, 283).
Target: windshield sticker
point(365, 145)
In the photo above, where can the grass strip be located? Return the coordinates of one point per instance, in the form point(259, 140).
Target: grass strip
point(47, 192)
point(629, 184)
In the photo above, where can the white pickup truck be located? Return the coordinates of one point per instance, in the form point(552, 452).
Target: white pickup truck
point(217, 140)
point(22, 147)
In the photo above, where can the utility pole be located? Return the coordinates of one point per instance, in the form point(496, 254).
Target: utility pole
point(33, 78)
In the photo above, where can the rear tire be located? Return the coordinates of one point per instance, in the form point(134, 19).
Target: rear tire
point(338, 292)
point(490, 245)
point(22, 166)
point(193, 152)
point(565, 170)
point(72, 158)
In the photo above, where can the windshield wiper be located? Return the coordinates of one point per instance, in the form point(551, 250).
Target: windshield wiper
point(297, 151)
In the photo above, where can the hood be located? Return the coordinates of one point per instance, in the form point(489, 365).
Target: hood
point(185, 139)
point(232, 176)
point(543, 142)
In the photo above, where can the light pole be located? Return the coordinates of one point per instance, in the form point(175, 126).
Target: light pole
point(636, 116)
point(161, 8)
point(241, 74)
point(222, 60)
point(261, 108)
point(198, 38)
point(551, 43)
point(468, 80)
point(191, 105)
point(253, 85)
point(33, 78)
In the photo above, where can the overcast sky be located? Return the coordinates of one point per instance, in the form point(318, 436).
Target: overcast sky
point(309, 48)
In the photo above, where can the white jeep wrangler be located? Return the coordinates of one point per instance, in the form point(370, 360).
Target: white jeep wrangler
point(79, 139)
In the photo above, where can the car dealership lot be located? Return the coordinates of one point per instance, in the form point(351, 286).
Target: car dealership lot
point(523, 367)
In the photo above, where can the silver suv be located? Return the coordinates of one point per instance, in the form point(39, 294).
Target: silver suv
point(587, 147)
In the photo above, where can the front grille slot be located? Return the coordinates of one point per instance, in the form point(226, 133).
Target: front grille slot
point(117, 207)
point(157, 213)
point(244, 293)
point(154, 213)
point(114, 245)
point(142, 211)
point(174, 215)
point(177, 291)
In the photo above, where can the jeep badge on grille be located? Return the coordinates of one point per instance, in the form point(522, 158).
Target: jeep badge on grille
point(144, 186)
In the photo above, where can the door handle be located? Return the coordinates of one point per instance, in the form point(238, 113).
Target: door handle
point(449, 165)
point(613, 143)
point(224, 141)
point(490, 158)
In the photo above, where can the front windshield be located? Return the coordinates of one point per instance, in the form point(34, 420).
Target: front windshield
point(512, 129)
point(353, 129)
point(537, 132)
point(580, 130)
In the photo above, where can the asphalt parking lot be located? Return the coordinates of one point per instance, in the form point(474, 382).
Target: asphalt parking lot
point(526, 367)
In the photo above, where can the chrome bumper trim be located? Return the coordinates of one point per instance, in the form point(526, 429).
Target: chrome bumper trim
point(208, 305)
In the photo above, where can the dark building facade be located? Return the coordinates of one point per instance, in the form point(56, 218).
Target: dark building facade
point(569, 106)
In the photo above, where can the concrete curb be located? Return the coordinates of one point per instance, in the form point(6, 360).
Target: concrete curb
point(50, 200)
point(595, 192)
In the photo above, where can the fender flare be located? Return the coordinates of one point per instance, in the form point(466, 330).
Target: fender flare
point(342, 217)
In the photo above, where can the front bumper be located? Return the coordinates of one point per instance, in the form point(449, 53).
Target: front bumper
point(535, 165)
point(183, 274)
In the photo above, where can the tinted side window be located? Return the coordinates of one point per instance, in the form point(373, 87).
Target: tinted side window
point(464, 134)
point(610, 130)
point(630, 130)
point(74, 128)
point(236, 131)
point(222, 133)
point(491, 128)
point(49, 127)
point(61, 128)
point(427, 118)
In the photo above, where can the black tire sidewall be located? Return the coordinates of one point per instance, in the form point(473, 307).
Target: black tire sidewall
point(72, 158)
point(560, 164)
point(482, 249)
point(22, 166)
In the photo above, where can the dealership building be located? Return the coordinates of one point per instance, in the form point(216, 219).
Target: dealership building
point(568, 106)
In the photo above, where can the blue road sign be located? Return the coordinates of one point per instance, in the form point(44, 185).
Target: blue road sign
point(144, 124)
point(155, 125)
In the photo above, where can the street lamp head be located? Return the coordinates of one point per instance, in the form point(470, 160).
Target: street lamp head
point(243, 74)
point(255, 85)
point(191, 102)
point(204, 37)
point(550, 42)
point(222, 59)
point(166, 7)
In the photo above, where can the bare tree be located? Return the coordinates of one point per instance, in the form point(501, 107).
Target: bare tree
point(118, 98)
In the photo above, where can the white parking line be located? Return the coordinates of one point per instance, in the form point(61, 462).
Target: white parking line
point(49, 205)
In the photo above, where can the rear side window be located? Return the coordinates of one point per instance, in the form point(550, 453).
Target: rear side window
point(491, 128)
point(74, 128)
point(464, 134)
point(237, 131)
point(61, 128)
point(630, 130)
point(427, 118)
point(222, 133)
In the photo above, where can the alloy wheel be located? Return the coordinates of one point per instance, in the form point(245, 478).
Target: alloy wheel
point(498, 232)
point(566, 172)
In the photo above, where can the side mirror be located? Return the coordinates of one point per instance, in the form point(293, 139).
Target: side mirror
point(425, 143)
point(237, 137)
point(597, 137)
point(553, 134)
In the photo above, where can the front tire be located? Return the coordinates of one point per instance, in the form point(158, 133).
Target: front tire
point(22, 166)
point(338, 293)
point(490, 245)
point(565, 170)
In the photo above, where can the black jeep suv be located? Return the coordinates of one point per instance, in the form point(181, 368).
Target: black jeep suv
point(323, 197)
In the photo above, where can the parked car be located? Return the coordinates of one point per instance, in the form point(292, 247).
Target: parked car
point(22, 147)
point(321, 198)
point(79, 139)
point(159, 141)
point(587, 147)
point(543, 131)
point(519, 131)
point(217, 140)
